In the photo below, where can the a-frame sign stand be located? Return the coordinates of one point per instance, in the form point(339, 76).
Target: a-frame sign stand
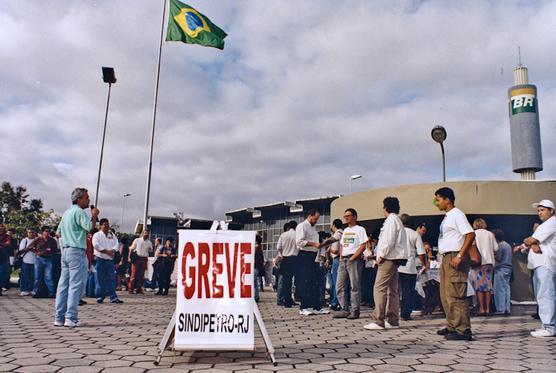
point(168, 337)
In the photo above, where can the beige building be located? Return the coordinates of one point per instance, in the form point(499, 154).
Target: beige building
point(503, 204)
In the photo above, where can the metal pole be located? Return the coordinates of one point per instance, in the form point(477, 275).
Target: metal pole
point(123, 209)
point(150, 165)
point(102, 146)
point(443, 163)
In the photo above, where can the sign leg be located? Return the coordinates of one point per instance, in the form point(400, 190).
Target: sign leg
point(266, 337)
point(167, 338)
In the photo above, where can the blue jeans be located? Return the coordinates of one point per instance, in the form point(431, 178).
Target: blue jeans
point(256, 280)
point(502, 276)
point(333, 276)
point(43, 270)
point(72, 283)
point(545, 292)
point(27, 277)
point(3, 271)
point(105, 279)
point(7, 271)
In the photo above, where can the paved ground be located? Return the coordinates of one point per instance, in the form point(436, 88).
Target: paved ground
point(123, 338)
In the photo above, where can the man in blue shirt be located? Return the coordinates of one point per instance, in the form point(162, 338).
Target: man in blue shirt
point(73, 229)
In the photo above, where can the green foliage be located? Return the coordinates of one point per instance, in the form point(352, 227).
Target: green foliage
point(21, 212)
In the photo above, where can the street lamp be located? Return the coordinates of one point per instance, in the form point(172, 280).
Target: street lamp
point(439, 135)
point(351, 178)
point(123, 209)
point(108, 76)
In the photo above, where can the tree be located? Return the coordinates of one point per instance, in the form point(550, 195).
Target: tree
point(22, 213)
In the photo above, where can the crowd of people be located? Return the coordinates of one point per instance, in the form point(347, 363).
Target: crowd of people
point(399, 274)
point(82, 258)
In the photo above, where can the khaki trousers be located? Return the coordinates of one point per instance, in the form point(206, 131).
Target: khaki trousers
point(387, 300)
point(453, 293)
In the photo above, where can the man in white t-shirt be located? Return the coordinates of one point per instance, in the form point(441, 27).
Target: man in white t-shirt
point(408, 272)
point(542, 258)
point(352, 245)
point(391, 252)
point(454, 242)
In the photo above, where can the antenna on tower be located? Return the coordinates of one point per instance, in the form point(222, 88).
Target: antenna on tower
point(519, 54)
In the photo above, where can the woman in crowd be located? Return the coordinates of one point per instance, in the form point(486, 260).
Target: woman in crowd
point(481, 277)
point(122, 266)
point(164, 266)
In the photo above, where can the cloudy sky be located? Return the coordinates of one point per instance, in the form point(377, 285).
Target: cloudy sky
point(305, 94)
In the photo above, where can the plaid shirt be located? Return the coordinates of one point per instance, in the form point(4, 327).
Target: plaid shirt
point(44, 248)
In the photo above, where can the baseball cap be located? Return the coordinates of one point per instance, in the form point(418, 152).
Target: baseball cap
point(544, 203)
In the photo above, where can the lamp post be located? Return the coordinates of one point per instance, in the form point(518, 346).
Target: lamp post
point(439, 135)
point(351, 178)
point(108, 76)
point(123, 209)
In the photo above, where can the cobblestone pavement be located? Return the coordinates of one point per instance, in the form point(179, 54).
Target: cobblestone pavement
point(123, 338)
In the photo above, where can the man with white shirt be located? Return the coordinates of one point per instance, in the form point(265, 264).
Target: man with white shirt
point(353, 243)
point(288, 251)
point(454, 242)
point(307, 241)
point(408, 272)
point(542, 259)
point(105, 245)
point(391, 252)
point(138, 256)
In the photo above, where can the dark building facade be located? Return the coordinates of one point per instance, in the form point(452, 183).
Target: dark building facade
point(269, 220)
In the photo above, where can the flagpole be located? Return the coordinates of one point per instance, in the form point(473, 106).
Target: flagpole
point(150, 165)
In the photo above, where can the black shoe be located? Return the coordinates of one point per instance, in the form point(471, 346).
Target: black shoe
point(288, 305)
point(100, 300)
point(82, 302)
point(117, 301)
point(445, 331)
point(459, 337)
point(535, 316)
point(353, 316)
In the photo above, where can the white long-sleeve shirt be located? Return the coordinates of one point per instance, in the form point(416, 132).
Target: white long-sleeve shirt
point(392, 241)
point(103, 241)
point(487, 245)
point(305, 233)
point(286, 245)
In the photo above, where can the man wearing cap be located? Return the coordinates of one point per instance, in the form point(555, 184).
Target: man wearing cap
point(542, 259)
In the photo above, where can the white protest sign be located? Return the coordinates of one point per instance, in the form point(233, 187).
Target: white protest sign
point(214, 306)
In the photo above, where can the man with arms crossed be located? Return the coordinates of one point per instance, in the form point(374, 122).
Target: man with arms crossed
point(105, 245)
point(542, 258)
point(454, 241)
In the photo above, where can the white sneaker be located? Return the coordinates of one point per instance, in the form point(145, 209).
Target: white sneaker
point(373, 326)
point(390, 326)
point(4, 289)
point(542, 333)
point(24, 293)
point(74, 324)
point(306, 312)
point(322, 311)
point(58, 323)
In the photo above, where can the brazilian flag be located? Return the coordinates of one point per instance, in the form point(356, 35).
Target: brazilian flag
point(189, 26)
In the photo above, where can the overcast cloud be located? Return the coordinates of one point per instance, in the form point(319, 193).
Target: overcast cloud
point(305, 94)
